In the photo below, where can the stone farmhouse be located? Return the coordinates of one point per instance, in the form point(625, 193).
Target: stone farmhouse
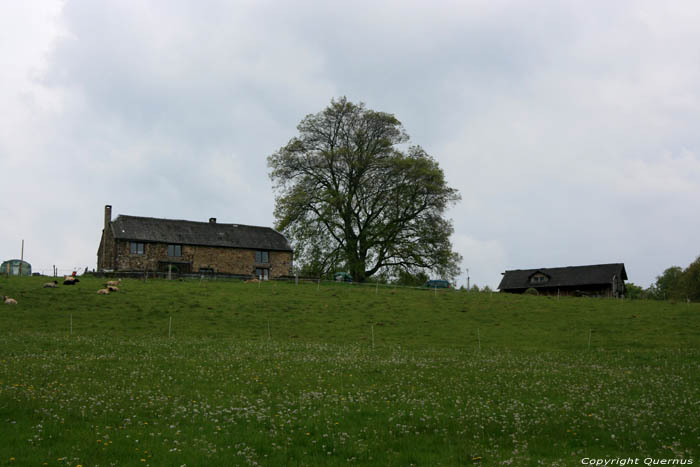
point(139, 244)
point(600, 280)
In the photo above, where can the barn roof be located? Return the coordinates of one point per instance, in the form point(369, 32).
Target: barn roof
point(150, 229)
point(562, 277)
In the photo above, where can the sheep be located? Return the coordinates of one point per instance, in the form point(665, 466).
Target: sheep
point(114, 283)
point(252, 280)
point(113, 288)
point(70, 280)
point(8, 300)
point(103, 292)
point(51, 285)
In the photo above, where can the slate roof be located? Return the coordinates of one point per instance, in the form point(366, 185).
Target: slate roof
point(149, 229)
point(569, 276)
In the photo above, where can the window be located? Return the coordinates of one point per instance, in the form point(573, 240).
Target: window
point(262, 273)
point(136, 248)
point(538, 279)
point(174, 250)
point(262, 256)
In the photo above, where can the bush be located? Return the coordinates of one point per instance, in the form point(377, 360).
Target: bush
point(411, 279)
point(635, 292)
point(531, 291)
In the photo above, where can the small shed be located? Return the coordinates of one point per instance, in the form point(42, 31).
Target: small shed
point(16, 267)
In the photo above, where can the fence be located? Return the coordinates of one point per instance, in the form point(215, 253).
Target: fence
point(215, 276)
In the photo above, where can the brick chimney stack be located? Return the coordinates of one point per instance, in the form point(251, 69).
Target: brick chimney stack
point(108, 216)
point(106, 251)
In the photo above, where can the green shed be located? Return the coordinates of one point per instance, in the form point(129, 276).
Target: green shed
point(15, 267)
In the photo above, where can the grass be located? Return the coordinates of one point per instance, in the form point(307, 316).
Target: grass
point(278, 374)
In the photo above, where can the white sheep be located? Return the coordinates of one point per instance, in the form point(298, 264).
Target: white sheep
point(103, 292)
point(51, 285)
point(8, 300)
point(113, 283)
point(113, 288)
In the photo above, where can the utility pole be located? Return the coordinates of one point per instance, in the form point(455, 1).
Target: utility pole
point(21, 260)
point(467, 279)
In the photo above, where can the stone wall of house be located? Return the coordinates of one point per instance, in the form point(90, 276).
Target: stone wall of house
point(105, 252)
point(219, 259)
point(100, 254)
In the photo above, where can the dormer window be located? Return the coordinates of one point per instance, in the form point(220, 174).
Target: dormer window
point(538, 278)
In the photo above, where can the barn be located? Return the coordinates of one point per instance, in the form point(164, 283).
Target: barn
point(140, 244)
point(599, 280)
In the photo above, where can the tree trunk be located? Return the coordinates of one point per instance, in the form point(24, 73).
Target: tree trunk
point(357, 267)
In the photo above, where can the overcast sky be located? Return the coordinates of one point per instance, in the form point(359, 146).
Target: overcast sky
point(571, 129)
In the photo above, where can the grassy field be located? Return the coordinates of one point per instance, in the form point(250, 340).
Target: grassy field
point(226, 373)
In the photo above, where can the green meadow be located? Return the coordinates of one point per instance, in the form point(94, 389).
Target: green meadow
point(173, 373)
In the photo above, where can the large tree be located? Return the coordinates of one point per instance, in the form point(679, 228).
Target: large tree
point(352, 194)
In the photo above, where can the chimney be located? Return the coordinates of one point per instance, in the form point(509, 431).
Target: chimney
point(107, 247)
point(108, 216)
point(212, 220)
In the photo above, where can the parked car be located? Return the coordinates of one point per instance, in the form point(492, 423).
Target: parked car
point(342, 277)
point(437, 284)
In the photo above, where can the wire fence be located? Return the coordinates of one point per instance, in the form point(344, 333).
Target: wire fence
point(60, 271)
point(216, 276)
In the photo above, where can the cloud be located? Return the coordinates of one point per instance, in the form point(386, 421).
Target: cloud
point(661, 178)
point(569, 129)
point(483, 260)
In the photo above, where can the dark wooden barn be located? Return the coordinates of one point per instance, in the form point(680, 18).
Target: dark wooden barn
point(599, 280)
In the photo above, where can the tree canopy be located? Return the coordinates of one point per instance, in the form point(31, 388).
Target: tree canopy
point(678, 284)
point(667, 284)
point(352, 194)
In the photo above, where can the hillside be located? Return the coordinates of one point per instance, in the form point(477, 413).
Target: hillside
point(337, 374)
point(344, 313)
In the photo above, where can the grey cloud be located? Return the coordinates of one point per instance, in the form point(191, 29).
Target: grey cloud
point(568, 128)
